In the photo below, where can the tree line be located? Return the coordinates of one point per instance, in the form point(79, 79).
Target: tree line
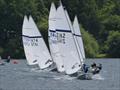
point(99, 21)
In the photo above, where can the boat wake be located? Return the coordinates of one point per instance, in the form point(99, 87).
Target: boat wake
point(97, 77)
point(64, 77)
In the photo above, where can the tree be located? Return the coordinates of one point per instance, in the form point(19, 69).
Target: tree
point(113, 44)
point(90, 43)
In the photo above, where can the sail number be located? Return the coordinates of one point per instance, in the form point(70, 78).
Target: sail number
point(34, 42)
point(30, 41)
point(60, 37)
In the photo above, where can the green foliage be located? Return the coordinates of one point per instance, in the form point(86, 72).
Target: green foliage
point(11, 19)
point(98, 17)
point(43, 25)
point(91, 45)
point(108, 17)
point(113, 44)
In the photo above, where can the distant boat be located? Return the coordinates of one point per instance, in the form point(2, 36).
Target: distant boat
point(54, 48)
point(35, 48)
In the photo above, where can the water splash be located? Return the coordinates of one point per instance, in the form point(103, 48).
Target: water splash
point(97, 77)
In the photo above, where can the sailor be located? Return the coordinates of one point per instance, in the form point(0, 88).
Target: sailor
point(8, 59)
point(96, 69)
point(93, 68)
point(100, 66)
point(85, 68)
point(0, 58)
point(1, 62)
point(93, 65)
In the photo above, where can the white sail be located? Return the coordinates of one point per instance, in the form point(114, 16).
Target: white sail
point(78, 36)
point(39, 47)
point(66, 43)
point(75, 38)
point(27, 42)
point(52, 40)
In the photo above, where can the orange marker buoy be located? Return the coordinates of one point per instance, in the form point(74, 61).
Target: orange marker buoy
point(15, 62)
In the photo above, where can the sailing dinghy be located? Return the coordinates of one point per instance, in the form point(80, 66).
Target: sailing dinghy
point(75, 38)
point(37, 47)
point(66, 43)
point(27, 42)
point(54, 48)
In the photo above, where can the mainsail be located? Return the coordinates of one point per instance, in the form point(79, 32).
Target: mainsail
point(75, 38)
point(34, 46)
point(39, 47)
point(66, 42)
point(53, 40)
point(78, 36)
point(27, 42)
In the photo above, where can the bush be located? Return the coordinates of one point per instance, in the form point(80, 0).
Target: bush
point(113, 44)
point(90, 44)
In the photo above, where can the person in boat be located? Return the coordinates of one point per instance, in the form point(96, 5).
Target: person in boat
point(1, 62)
point(93, 65)
point(100, 66)
point(85, 68)
point(8, 59)
point(96, 69)
point(0, 59)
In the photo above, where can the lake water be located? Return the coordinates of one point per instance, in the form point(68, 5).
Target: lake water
point(22, 77)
